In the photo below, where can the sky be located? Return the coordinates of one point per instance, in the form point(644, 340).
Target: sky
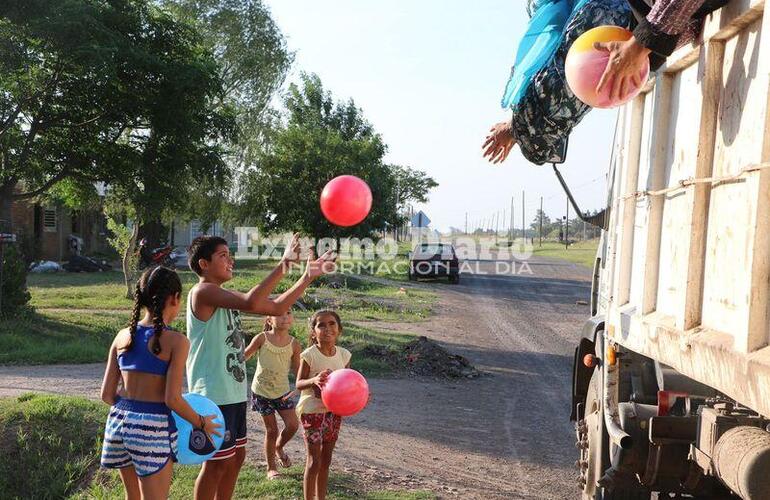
point(429, 75)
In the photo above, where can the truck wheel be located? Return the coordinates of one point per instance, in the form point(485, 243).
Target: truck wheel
point(593, 444)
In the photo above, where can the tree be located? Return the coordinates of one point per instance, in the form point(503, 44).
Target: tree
point(321, 140)
point(252, 63)
point(94, 91)
point(536, 223)
point(410, 185)
point(119, 92)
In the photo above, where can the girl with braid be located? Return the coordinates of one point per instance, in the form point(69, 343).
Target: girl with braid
point(147, 360)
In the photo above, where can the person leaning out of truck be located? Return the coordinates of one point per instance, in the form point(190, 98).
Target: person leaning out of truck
point(661, 27)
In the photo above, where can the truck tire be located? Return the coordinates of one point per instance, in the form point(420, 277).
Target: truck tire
point(593, 444)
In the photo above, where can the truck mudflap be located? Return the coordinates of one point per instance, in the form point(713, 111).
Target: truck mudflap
point(581, 374)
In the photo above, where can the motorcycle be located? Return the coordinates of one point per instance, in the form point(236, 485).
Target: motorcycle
point(161, 256)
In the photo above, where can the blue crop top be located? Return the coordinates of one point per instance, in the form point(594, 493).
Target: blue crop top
point(139, 358)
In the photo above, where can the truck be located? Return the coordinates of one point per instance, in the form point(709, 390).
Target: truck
point(671, 375)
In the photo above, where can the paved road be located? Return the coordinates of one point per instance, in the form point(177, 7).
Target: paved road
point(505, 435)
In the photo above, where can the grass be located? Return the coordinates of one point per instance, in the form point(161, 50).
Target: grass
point(49, 444)
point(47, 337)
point(78, 314)
point(582, 252)
point(251, 484)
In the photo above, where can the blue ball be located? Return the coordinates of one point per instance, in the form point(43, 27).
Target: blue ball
point(203, 406)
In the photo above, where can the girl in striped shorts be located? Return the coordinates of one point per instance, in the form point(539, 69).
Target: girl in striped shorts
point(147, 360)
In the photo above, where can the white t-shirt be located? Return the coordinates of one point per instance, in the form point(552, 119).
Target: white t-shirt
point(318, 362)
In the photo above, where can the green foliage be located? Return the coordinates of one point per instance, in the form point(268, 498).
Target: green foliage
point(252, 61)
point(120, 235)
point(14, 295)
point(114, 91)
point(50, 443)
point(321, 140)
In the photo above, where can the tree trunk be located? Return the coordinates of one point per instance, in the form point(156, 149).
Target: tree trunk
point(6, 201)
point(128, 275)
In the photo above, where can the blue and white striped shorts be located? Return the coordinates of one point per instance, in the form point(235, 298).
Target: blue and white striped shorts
point(139, 433)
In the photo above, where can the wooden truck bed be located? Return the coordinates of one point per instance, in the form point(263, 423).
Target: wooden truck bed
point(686, 273)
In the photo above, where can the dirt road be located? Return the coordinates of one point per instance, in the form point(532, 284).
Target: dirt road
point(504, 435)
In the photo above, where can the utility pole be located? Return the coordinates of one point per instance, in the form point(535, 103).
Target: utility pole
point(566, 227)
point(466, 222)
point(511, 228)
point(523, 229)
point(541, 221)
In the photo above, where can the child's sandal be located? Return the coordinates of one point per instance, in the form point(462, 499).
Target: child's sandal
point(283, 459)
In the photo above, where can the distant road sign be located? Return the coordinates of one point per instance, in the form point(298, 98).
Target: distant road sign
point(420, 219)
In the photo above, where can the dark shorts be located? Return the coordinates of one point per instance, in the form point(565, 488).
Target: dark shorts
point(266, 406)
point(321, 427)
point(234, 431)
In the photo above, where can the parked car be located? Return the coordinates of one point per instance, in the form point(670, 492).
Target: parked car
point(430, 260)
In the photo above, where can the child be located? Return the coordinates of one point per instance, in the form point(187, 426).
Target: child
point(277, 353)
point(149, 359)
point(216, 367)
point(321, 427)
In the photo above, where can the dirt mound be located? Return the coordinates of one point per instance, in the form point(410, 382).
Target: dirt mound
point(426, 357)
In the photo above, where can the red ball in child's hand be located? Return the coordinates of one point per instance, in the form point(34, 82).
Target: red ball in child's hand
point(345, 393)
point(346, 200)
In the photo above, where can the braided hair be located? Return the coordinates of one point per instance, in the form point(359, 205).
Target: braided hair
point(152, 289)
point(314, 320)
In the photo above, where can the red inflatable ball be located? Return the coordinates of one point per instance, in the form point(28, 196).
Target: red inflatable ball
point(345, 393)
point(346, 200)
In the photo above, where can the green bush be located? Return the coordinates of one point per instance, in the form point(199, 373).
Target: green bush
point(13, 282)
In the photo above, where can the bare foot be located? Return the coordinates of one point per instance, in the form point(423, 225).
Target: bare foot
point(282, 457)
point(273, 474)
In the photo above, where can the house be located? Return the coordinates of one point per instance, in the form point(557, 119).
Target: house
point(44, 229)
point(182, 233)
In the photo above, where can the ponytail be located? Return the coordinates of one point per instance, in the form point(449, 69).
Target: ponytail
point(134, 316)
point(158, 301)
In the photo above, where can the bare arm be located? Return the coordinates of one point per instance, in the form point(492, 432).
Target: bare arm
point(304, 381)
point(173, 396)
point(255, 345)
point(111, 376)
point(256, 300)
point(295, 359)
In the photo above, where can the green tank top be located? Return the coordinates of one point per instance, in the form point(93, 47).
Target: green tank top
point(216, 366)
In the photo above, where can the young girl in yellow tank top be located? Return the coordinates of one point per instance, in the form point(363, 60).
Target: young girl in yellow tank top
point(277, 352)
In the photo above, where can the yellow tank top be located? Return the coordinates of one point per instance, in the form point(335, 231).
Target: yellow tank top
point(271, 380)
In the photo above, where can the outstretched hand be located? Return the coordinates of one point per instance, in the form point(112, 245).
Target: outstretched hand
point(292, 251)
point(325, 264)
point(624, 67)
point(499, 142)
